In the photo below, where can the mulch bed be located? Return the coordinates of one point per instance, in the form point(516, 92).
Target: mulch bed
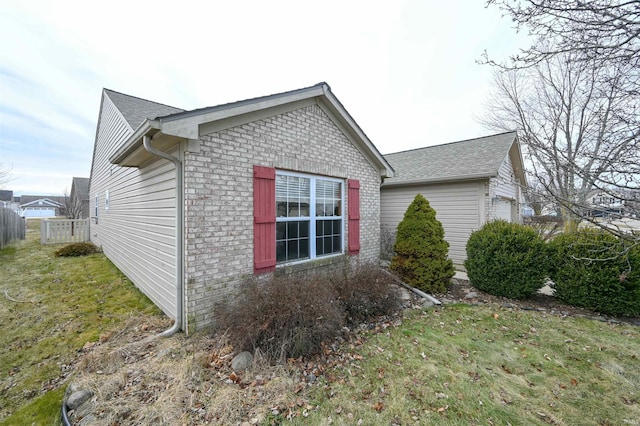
point(459, 292)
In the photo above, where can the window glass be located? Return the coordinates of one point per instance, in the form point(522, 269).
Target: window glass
point(303, 232)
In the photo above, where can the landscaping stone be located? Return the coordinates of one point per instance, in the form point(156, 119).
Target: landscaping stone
point(78, 398)
point(471, 295)
point(242, 361)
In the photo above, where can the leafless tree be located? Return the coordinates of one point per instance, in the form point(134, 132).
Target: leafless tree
point(577, 123)
point(606, 31)
point(73, 206)
point(5, 175)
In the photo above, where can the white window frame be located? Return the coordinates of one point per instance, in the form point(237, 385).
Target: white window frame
point(97, 206)
point(312, 216)
point(106, 199)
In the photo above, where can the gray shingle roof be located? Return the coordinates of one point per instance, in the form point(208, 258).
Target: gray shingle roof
point(81, 187)
point(136, 110)
point(473, 158)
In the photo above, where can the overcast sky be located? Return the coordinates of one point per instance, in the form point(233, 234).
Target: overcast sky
point(405, 70)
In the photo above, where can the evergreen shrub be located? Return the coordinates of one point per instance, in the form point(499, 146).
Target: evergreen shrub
point(507, 259)
point(421, 250)
point(594, 270)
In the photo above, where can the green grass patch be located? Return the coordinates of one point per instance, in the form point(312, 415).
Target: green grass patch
point(49, 308)
point(462, 365)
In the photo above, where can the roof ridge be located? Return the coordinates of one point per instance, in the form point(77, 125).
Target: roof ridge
point(450, 143)
point(239, 102)
point(142, 99)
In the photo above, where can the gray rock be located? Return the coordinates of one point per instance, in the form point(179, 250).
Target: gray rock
point(242, 361)
point(404, 294)
point(471, 295)
point(78, 398)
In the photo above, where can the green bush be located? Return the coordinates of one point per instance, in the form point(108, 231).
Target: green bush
point(594, 271)
point(420, 249)
point(507, 259)
point(77, 249)
point(289, 317)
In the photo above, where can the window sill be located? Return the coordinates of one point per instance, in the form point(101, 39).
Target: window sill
point(324, 262)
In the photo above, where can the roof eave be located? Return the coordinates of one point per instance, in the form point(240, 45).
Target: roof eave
point(444, 179)
point(187, 124)
point(134, 142)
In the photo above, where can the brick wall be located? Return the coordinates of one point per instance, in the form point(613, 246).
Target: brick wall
point(219, 199)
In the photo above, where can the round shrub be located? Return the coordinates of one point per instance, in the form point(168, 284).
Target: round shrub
point(593, 270)
point(77, 249)
point(421, 250)
point(506, 259)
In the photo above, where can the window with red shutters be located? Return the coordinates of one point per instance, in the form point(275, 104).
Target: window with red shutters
point(354, 216)
point(264, 219)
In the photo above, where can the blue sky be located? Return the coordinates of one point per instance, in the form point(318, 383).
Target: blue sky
point(405, 70)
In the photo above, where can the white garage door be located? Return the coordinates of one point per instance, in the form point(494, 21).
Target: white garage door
point(40, 213)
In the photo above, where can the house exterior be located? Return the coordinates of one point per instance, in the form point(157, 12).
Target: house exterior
point(7, 200)
point(188, 204)
point(468, 183)
point(40, 207)
point(79, 197)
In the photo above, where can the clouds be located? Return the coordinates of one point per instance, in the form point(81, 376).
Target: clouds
point(404, 70)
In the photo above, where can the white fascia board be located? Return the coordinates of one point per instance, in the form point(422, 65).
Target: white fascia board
point(134, 141)
point(445, 179)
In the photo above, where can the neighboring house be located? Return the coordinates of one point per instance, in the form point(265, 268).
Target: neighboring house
point(79, 197)
point(612, 203)
point(188, 204)
point(468, 183)
point(41, 207)
point(6, 200)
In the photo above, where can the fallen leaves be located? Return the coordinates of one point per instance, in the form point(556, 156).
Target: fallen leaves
point(378, 406)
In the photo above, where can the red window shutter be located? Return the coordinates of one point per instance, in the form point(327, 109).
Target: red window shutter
point(264, 219)
point(353, 198)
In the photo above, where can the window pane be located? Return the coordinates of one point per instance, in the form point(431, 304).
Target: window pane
point(292, 230)
point(292, 196)
point(281, 251)
point(303, 229)
point(328, 236)
point(292, 250)
point(281, 230)
point(292, 241)
point(328, 197)
point(304, 248)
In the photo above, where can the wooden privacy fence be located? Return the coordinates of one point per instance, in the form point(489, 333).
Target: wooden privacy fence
point(11, 227)
point(60, 231)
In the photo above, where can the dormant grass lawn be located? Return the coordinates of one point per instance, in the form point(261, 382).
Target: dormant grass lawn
point(454, 365)
point(50, 307)
point(486, 365)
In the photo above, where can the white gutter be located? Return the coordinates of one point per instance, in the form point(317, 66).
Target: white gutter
point(177, 325)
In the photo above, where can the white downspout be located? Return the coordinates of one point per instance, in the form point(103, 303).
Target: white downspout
point(177, 325)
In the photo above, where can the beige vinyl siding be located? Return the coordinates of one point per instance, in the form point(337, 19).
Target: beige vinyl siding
point(137, 232)
point(457, 206)
point(504, 189)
